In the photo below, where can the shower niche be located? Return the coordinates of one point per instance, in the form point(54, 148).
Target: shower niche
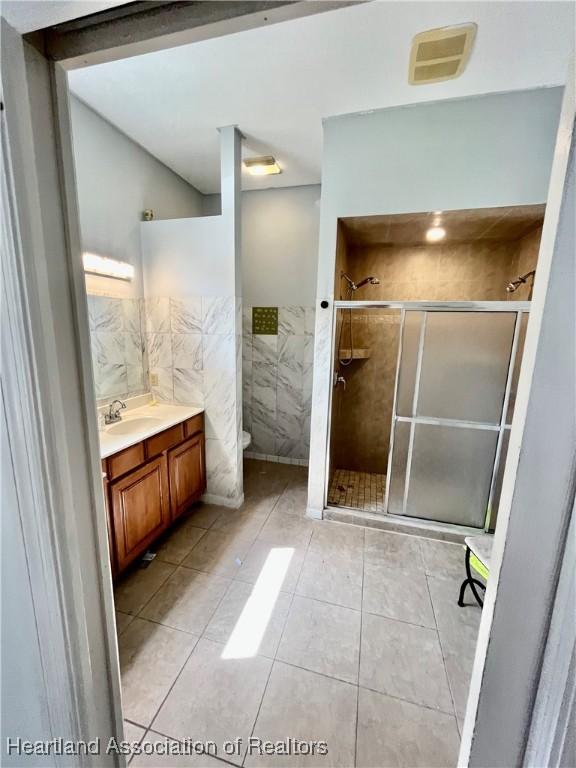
point(428, 340)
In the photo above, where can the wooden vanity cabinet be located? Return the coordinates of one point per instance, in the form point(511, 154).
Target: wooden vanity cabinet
point(140, 510)
point(187, 473)
point(148, 485)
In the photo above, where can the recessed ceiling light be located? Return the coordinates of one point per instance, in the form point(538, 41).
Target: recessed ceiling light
point(434, 234)
point(262, 166)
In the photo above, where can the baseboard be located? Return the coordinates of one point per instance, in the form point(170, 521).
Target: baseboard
point(275, 459)
point(223, 501)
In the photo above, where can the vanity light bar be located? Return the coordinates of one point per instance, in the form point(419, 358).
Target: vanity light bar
point(102, 265)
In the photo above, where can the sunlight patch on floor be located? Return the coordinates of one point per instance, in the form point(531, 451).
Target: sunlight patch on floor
point(249, 630)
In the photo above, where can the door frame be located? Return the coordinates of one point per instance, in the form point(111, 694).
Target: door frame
point(519, 308)
point(50, 348)
point(48, 383)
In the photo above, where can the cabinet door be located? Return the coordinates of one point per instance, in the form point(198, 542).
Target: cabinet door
point(140, 510)
point(109, 524)
point(187, 474)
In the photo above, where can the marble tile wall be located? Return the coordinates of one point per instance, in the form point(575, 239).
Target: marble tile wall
point(277, 384)
point(194, 352)
point(117, 345)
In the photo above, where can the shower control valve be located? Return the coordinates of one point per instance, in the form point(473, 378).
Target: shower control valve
point(339, 380)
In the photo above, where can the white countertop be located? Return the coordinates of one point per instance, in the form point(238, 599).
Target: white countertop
point(164, 416)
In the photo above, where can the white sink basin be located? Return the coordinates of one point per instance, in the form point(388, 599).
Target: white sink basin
point(133, 425)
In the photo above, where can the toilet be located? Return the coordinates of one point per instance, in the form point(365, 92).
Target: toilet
point(246, 439)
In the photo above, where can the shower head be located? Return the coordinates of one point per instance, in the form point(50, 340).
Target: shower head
point(521, 280)
point(370, 280)
point(354, 286)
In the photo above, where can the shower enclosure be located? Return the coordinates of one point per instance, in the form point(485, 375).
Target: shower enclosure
point(425, 434)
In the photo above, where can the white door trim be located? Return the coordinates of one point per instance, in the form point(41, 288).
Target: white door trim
point(537, 491)
point(50, 409)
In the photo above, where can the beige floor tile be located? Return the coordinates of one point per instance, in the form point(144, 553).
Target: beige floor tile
point(459, 672)
point(338, 539)
point(307, 707)
point(397, 594)
point(205, 515)
point(444, 559)
point(256, 619)
point(122, 621)
point(293, 501)
point(405, 661)
point(396, 550)
point(151, 657)
point(332, 578)
point(160, 744)
point(187, 600)
point(133, 733)
point(246, 525)
point(257, 557)
point(458, 627)
point(132, 594)
point(322, 638)
point(396, 734)
point(215, 698)
point(261, 504)
point(218, 553)
point(286, 530)
point(458, 630)
point(179, 542)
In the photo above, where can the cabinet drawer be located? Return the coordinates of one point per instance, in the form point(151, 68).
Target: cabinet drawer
point(194, 425)
point(164, 440)
point(123, 462)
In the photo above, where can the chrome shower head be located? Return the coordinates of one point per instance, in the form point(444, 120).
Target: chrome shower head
point(371, 280)
point(520, 280)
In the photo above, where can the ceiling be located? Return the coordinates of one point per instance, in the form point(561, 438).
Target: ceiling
point(29, 15)
point(277, 83)
point(464, 226)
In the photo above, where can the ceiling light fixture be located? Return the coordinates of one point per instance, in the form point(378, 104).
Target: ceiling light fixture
point(262, 166)
point(434, 234)
point(106, 267)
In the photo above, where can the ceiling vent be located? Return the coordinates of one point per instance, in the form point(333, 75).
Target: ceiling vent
point(440, 54)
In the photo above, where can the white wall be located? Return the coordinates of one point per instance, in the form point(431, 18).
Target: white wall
point(280, 246)
point(487, 151)
point(187, 256)
point(117, 180)
point(192, 287)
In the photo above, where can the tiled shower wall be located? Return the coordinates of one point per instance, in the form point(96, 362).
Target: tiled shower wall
point(117, 343)
point(193, 345)
point(277, 385)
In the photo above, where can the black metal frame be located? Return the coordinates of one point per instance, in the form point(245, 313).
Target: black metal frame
point(472, 582)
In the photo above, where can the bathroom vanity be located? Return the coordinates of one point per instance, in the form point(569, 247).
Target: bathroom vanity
point(153, 469)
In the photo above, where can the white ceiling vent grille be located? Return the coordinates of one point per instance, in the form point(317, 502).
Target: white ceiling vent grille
point(440, 54)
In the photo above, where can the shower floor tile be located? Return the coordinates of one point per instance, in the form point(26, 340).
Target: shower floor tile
point(359, 490)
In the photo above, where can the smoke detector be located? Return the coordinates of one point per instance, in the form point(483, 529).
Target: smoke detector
point(440, 54)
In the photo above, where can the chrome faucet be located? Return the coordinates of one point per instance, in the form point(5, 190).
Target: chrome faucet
point(113, 414)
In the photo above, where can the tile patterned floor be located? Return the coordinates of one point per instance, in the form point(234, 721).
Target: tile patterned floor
point(359, 490)
point(262, 623)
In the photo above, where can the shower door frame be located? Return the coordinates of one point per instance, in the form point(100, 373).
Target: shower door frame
point(519, 308)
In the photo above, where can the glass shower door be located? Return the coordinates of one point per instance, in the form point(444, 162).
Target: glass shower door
point(450, 395)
